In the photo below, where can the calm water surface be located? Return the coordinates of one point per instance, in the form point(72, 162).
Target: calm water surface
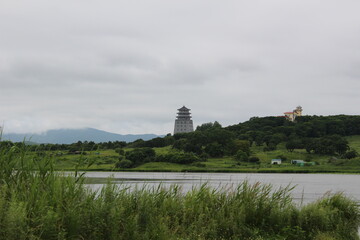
point(308, 187)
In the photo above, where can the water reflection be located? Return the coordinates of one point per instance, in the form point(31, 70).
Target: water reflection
point(308, 187)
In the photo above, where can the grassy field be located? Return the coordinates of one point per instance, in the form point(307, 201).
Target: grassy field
point(354, 142)
point(105, 161)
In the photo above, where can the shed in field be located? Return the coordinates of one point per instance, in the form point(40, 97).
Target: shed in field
point(298, 162)
point(275, 161)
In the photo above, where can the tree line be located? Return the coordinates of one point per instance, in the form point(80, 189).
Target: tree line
point(71, 148)
point(316, 134)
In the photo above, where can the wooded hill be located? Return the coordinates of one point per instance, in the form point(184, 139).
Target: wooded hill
point(316, 134)
point(319, 134)
point(304, 126)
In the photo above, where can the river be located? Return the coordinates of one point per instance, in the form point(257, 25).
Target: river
point(308, 187)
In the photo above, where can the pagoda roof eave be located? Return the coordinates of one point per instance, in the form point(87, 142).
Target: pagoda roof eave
point(183, 108)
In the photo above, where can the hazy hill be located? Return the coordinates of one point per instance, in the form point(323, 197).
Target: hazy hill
point(68, 136)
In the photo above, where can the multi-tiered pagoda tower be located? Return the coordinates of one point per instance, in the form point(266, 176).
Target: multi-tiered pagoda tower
point(183, 122)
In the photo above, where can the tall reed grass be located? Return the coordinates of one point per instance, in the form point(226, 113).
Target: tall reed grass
point(37, 202)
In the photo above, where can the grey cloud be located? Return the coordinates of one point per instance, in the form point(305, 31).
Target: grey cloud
point(127, 66)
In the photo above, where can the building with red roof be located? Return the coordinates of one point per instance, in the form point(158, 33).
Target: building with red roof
point(291, 116)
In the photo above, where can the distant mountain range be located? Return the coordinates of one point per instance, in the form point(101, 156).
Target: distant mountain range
point(68, 136)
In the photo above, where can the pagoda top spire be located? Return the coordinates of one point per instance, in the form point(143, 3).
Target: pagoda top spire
point(183, 108)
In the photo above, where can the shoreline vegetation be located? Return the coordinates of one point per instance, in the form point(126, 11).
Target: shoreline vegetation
point(169, 159)
point(106, 160)
point(37, 202)
point(288, 171)
point(225, 170)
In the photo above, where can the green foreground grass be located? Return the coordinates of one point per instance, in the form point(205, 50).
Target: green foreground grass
point(37, 202)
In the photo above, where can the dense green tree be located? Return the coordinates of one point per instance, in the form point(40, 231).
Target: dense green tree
point(155, 142)
point(290, 145)
point(293, 144)
point(180, 143)
point(241, 156)
point(270, 147)
point(139, 143)
point(340, 144)
point(140, 155)
point(169, 140)
point(204, 126)
point(328, 145)
point(235, 145)
point(178, 136)
point(214, 150)
point(335, 127)
point(120, 151)
point(221, 136)
point(208, 126)
point(198, 138)
point(277, 138)
point(119, 144)
point(259, 139)
point(194, 148)
point(285, 130)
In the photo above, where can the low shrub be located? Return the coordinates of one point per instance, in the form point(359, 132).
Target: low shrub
point(124, 164)
point(282, 157)
point(270, 147)
point(198, 164)
point(254, 159)
point(351, 154)
point(182, 158)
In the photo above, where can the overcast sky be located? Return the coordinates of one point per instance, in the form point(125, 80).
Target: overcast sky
point(127, 66)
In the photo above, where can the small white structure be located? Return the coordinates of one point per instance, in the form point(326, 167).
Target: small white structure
point(298, 162)
point(276, 161)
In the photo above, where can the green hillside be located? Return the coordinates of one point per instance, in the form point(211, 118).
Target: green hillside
point(105, 160)
point(323, 144)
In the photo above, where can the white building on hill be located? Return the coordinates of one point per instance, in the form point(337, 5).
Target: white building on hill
point(291, 116)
